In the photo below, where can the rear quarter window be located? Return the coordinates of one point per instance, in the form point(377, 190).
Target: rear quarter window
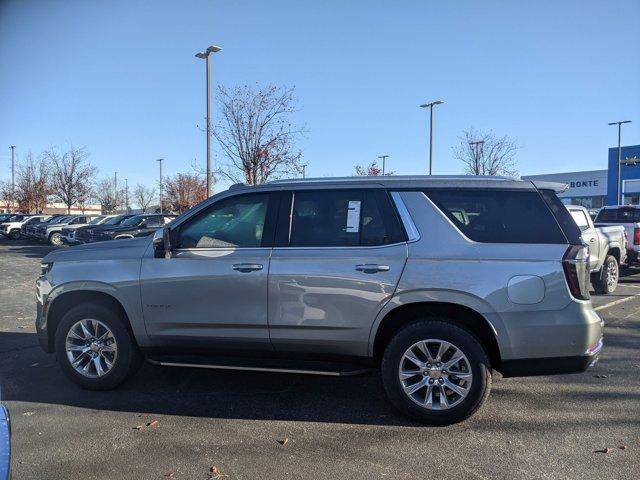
point(618, 215)
point(500, 216)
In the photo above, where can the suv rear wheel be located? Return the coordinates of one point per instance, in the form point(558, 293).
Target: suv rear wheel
point(94, 347)
point(14, 234)
point(436, 372)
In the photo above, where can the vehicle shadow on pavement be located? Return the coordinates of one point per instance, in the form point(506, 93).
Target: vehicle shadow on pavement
point(31, 250)
point(27, 374)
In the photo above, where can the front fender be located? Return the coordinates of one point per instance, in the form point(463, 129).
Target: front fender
point(445, 296)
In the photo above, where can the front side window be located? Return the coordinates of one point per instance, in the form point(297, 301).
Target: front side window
point(236, 222)
point(153, 222)
point(500, 216)
point(338, 218)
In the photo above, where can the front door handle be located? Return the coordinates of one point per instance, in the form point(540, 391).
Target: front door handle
point(372, 268)
point(247, 267)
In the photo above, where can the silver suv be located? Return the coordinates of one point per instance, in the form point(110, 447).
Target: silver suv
point(435, 281)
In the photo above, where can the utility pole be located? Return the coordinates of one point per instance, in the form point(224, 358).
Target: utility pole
point(384, 158)
point(477, 145)
point(430, 107)
point(160, 160)
point(304, 171)
point(126, 194)
point(205, 55)
point(619, 182)
point(115, 190)
point(13, 175)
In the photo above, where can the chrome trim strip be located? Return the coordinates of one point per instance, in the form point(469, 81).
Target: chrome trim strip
point(405, 217)
point(260, 369)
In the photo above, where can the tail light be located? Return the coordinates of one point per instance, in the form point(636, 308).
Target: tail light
point(636, 236)
point(575, 264)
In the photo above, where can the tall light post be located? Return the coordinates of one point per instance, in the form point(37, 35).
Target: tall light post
point(126, 194)
point(384, 159)
point(430, 107)
point(115, 190)
point(304, 170)
point(160, 160)
point(205, 55)
point(619, 183)
point(13, 175)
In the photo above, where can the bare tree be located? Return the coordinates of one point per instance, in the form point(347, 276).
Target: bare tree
point(144, 196)
point(107, 196)
point(184, 190)
point(71, 174)
point(7, 196)
point(33, 186)
point(256, 133)
point(371, 170)
point(486, 154)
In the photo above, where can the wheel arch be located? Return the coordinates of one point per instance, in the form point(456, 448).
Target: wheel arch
point(63, 302)
point(455, 313)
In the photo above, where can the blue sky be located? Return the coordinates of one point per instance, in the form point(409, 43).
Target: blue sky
point(120, 78)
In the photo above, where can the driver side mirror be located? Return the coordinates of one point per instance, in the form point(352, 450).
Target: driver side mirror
point(162, 243)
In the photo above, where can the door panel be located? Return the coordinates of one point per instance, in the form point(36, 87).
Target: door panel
point(198, 298)
point(321, 300)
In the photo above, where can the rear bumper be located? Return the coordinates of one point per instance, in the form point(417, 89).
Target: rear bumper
point(528, 367)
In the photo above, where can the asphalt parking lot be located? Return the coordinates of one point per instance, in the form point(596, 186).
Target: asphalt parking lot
point(248, 425)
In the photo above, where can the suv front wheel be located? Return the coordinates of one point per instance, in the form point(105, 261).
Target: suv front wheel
point(436, 372)
point(94, 347)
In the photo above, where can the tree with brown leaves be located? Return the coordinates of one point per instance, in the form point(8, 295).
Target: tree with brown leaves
point(33, 186)
point(486, 154)
point(71, 174)
point(183, 191)
point(107, 196)
point(256, 133)
point(370, 170)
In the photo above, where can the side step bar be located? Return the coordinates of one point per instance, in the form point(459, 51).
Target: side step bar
point(250, 368)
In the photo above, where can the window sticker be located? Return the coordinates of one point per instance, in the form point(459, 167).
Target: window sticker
point(353, 216)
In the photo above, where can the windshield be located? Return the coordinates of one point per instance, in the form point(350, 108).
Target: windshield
point(96, 220)
point(130, 222)
point(114, 220)
point(61, 219)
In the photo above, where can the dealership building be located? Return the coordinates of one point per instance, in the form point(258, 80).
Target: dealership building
point(597, 188)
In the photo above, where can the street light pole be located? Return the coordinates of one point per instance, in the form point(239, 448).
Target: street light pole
point(126, 194)
point(384, 158)
point(160, 160)
point(304, 171)
point(205, 55)
point(619, 183)
point(430, 106)
point(115, 190)
point(13, 175)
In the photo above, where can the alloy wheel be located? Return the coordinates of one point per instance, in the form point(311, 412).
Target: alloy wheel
point(612, 275)
point(435, 374)
point(91, 348)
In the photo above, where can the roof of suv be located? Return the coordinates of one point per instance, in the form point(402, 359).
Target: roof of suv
point(414, 181)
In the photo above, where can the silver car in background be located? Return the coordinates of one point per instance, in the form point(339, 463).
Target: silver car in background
point(435, 281)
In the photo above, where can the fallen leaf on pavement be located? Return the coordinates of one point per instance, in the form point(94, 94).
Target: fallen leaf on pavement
point(153, 424)
point(169, 474)
point(623, 447)
point(604, 450)
point(27, 414)
point(138, 427)
point(23, 326)
point(283, 442)
point(215, 473)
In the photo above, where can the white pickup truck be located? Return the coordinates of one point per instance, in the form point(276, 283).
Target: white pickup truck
point(629, 217)
point(607, 249)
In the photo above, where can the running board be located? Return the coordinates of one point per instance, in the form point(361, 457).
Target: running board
point(346, 371)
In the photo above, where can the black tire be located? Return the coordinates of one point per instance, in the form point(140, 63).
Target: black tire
point(606, 280)
point(128, 357)
point(14, 234)
point(465, 341)
point(55, 239)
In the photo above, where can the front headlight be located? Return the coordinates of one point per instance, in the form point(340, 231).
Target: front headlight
point(45, 268)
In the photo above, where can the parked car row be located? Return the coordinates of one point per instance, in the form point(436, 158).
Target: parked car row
point(75, 229)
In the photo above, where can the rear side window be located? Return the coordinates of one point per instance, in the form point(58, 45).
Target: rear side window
point(619, 215)
point(580, 218)
point(342, 218)
point(563, 217)
point(499, 216)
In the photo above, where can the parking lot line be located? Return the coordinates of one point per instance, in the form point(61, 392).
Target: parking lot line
point(616, 302)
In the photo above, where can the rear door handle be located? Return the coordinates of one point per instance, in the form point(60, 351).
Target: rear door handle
point(247, 267)
point(372, 268)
